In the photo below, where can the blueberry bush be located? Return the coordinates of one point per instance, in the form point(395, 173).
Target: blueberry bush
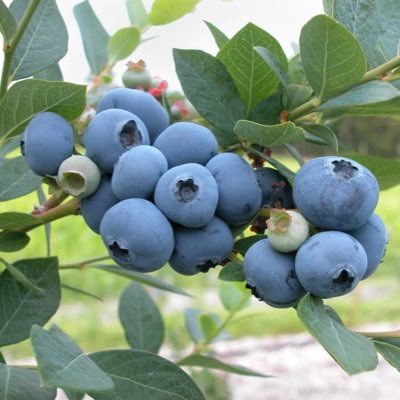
point(193, 184)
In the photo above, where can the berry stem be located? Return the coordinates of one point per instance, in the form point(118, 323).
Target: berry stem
point(9, 48)
point(294, 153)
point(84, 263)
point(389, 334)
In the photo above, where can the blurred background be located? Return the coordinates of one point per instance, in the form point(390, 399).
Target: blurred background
point(269, 340)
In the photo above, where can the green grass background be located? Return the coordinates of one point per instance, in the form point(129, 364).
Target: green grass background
point(94, 324)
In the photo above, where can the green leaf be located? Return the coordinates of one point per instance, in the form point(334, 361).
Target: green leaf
point(166, 11)
point(11, 220)
point(94, 37)
point(137, 13)
point(44, 42)
point(210, 89)
point(74, 395)
point(219, 37)
point(192, 324)
point(386, 171)
point(2, 360)
point(325, 133)
point(9, 146)
point(145, 279)
point(232, 272)
point(52, 73)
point(376, 24)
point(234, 296)
point(13, 241)
point(27, 98)
point(267, 111)
point(141, 375)
point(123, 43)
point(296, 95)
point(389, 349)
point(8, 25)
point(16, 179)
point(20, 277)
point(204, 361)
point(21, 307)
point(209, 326)
point(367, 94)
point(328, 7)
point(242, 245)
point(332, 58)
point(273, 62)
point(268, 135)
point(353, 352)
point(19, 383)
point(141, 319)
point(295, 74)
point(62, 363)
point(254, 79)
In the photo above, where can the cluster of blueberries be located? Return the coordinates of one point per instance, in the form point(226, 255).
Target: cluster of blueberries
point(337, 197)
point(161, 193)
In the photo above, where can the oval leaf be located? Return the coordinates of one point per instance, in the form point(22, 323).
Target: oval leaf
point(27, 98)
point(20, 383)
point(63, 364)
point(166, 11)
point(353, 352)
point(52, 73)
point(325, 133)
point(141, 319)
point(122, 44)
point(211, 90)
point(232, 272)
point(368, 20)
point(234, 296)
point(8, 25)
point(192, 324)
point(44, 42)
point(254, 78)
point(16, 179)
point(137, 13)
point(94, 37)
point(242, 245)
point(22, 307)
point(389, 349)
point(142, 375)
point(12, 220)
point(268, 135)
point(219, 37)
point(204, 361)
point(332, 58)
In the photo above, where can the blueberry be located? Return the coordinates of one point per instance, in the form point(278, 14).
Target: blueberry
point(137, 235)
point(335, 193)
point(95, 206)
point(187, 142)
point(46, 142)
point(276, 189)
point(111, 133)
point(199, 249)
point(239, 192)
point(187, 194)
point(137, 172)
point(330, 264)
point(140, 103)
point(79, 176)
point(271, 275)
point(373, 237)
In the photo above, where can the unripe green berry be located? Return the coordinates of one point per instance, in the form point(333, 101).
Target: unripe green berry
point(287, 230)
point(136, 76)
point(79, 176)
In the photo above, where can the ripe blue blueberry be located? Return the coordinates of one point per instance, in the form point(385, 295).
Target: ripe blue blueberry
point(335, 193)
point(46, 142)
point(111, 133)
point(187, 142)
point(137, 172)
point(271, 275)
point(199, 249)
point(330, 264)
point(140, 103)
point(187, 194)
point(239, 192)
point(276, 189)
point(137, 235)
point(95, 206)
point(373, 237)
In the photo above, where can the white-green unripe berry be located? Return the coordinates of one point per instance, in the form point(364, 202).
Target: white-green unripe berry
point(287, 230)
point(79, 176)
